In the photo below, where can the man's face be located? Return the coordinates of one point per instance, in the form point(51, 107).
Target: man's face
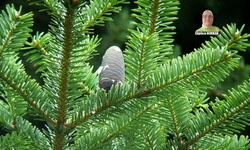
point(207, 18)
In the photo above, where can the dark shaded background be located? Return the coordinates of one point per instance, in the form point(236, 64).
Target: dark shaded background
point(115, 33)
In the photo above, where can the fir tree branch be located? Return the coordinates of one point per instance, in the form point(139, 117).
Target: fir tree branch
point(176, 126)
point(141, 56)
point(200, 63)
point(67, 47)
point(146, 48)
point(192, 72)
point(33, 134)
point(125, 124)
point(93, 16)
point(52, 6)
point(197, 63)
point(14, 30)
point(226, 142)
point(71, 56)
point(38, 42)
point(65, 63)
point(15, 140)
point(153, 134)
point(97, 102)
point(230, 37)
point(236, 104)
point(157, 16)
point(38, 51)
point(148, 139)
point(12, 72)
point(154, 16)
point(198, 68)
point(7, 39)
point(117, 122)
point(36, 99)
point(73, 42)
point(160, 99)
point(13, 108)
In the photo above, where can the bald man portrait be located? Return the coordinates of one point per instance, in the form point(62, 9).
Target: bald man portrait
point(207, 21)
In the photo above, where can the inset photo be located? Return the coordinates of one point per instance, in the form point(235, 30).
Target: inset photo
point(207, 25)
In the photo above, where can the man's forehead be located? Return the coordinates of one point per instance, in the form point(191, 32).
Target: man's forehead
point(208, 13)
